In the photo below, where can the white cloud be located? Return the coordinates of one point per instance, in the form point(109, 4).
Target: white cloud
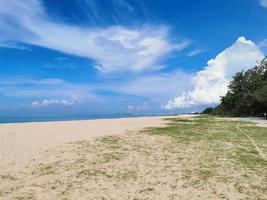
point(138, 108)
point(152, 88)
point(46, 89)
point(12, 45)
point(156, 87)
point(113, 48)
point(211, 83)
point(196, 52)
point(46, 103)
point(263, 3)
point(20, 81)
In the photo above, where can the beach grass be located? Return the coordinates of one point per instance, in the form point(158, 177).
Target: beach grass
point(201, 157)
point(217, 134)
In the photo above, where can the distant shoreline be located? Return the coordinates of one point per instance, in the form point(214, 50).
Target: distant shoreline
point(14, 120)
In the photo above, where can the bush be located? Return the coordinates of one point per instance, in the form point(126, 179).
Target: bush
point(207, 111)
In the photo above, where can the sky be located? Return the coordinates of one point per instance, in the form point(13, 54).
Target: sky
point(92, 57)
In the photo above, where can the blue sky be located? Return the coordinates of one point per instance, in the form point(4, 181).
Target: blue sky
point(124, 56)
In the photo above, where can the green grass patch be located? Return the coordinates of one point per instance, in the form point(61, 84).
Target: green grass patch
point(220, 137)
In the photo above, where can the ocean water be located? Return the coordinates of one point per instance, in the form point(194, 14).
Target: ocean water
point(69, 118)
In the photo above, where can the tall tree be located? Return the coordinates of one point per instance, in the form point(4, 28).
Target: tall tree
point(247, 94)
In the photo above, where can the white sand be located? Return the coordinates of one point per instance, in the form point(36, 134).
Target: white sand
point(262, 122)
point(20, 142)
point(37, 162)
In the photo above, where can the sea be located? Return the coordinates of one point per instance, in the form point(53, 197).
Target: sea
point(72, 118)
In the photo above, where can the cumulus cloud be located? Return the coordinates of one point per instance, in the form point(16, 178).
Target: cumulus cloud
point(263, 3)
point(113, 48)
point(211, 83)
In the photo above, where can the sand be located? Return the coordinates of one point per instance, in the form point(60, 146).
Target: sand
point(21, 142)
point(113, 159)
point(261, 122)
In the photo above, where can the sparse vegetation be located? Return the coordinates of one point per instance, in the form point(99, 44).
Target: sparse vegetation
point(195, 158)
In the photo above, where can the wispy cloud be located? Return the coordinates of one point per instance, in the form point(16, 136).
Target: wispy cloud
point(47, 89)
point(196, 52)
point(20, 81)
point(114, 48)
point(263, 45)
point(99, 13)
point(138, 108)
point(211, 83)
point(46, 103)
point(155, 87)
point(12, 45)
point(263, 3)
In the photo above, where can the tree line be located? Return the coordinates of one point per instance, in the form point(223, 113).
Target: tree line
point(247, 94)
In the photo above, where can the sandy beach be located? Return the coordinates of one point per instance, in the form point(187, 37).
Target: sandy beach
point(21, 142)
point(183, 157)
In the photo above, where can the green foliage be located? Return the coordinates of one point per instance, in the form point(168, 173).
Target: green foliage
point(247, 94)
point(207, 111)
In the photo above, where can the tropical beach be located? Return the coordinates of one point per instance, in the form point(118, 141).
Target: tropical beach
point(134, 158)
point(20, 141)
point(133, 100)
